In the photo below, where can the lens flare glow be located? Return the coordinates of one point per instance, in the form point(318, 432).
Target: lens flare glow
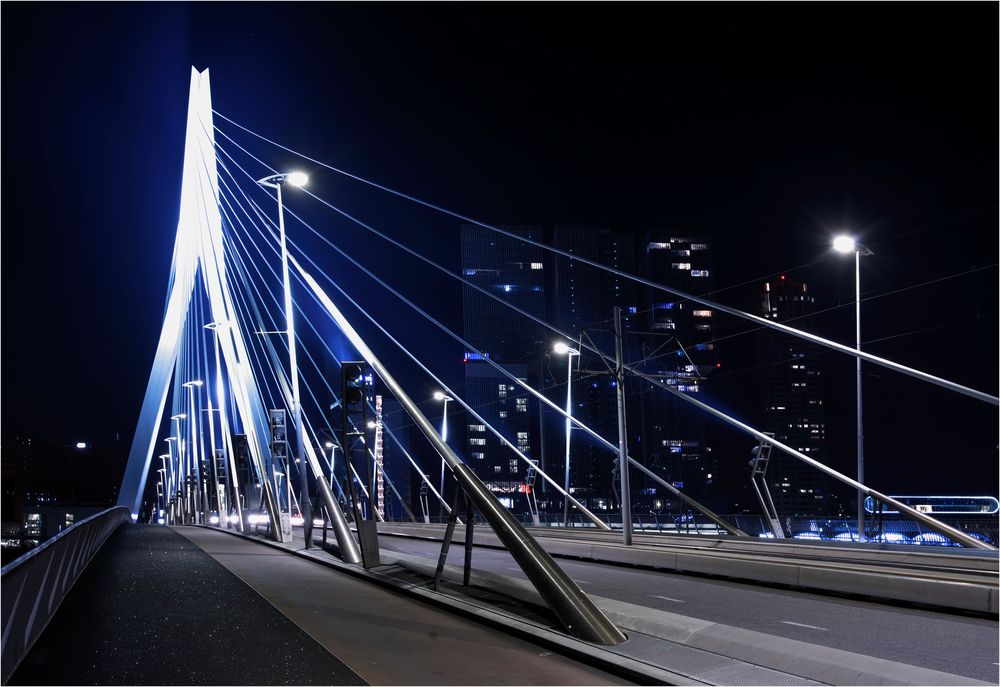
point(843, 244)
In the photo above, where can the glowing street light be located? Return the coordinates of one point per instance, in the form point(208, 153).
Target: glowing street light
point(441, 396)
point(846, 244)
point(181, 466)
point(277, 182)
point(229, 461)
point(562, 348)
point(195, 465)
point(163, 486)
point(333, 448)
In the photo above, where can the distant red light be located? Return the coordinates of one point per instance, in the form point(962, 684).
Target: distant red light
point(718, 364)
point(782, 277)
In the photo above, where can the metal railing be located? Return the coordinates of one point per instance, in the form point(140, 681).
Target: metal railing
point(892, 530)
point(34, 585)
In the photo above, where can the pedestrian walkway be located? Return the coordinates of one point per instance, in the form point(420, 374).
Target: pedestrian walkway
point(154, 609)
point(195, 606)
point(387, 637)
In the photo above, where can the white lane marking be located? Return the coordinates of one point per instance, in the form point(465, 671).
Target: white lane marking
point(582, 582)
point(667, 598)
point(811, 627)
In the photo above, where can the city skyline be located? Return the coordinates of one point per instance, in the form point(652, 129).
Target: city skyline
point(606, 168)
point(500, 343)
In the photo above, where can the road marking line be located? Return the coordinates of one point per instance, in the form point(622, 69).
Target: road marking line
point(582, 582)
point(811, 627)
point(667, 598)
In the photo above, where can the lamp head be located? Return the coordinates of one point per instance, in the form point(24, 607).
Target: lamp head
point(563, 348)
point(193, 383)
point(438, 395)
point(844, 244)
point(178, 416)
point(299, 179)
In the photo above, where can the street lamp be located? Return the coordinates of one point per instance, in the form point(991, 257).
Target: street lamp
point(846, 244)
point(441, 396)
point(181, 465)
point(175, 477)
point(333, 448)
point(195, 465)
point(277, 182)
point(229, 462)
point(167, 471)
point(563, 349)
point(163, 486)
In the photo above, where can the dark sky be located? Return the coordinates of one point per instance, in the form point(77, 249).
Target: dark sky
point(762, 127)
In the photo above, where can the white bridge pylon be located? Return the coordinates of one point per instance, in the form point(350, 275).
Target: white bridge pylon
point(198, 243)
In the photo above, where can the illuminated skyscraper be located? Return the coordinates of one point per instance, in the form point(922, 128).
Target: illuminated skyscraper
point(792, 387)
point(513, 271)
point(663, 336)
point(681, 352)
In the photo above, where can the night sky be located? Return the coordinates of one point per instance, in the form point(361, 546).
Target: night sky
point(765, 128)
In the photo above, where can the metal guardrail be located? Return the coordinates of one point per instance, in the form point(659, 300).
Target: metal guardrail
point(34, 585)
point(892, 530)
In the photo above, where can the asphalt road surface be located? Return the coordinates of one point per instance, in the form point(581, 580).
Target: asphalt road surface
point(951, 643)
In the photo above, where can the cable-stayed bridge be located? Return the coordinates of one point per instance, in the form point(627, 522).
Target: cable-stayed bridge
point(241, 428)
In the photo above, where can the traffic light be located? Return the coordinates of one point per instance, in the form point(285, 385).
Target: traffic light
point(279, 435)
point(352, 377)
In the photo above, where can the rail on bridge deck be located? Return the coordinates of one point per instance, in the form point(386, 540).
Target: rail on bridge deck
point(35, 584)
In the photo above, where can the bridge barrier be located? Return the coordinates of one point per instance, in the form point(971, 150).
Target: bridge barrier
point(34, 585)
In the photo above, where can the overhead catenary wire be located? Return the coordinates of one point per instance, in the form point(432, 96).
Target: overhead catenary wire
point(280, 367)
point(883, 362)
point(929, 521)
point(505, 440)
point(603, 441)
point(262, 217)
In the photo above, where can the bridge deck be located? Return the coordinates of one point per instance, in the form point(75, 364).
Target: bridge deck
point(195, 606)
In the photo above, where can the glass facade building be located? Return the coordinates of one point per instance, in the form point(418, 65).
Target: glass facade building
point(663, 336)
point(792, 398)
